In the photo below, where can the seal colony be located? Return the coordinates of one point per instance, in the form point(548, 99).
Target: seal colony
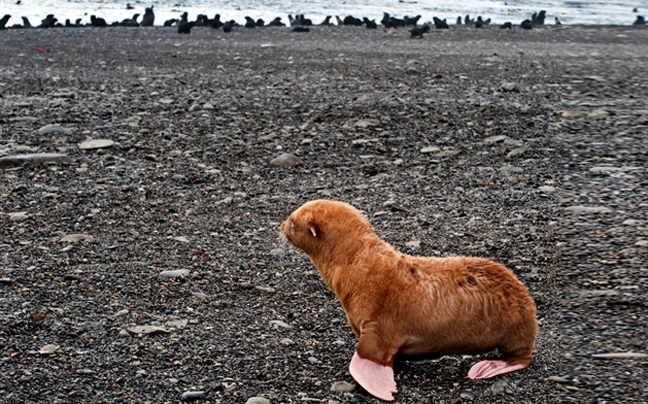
point(184, 25)
point(406, 307)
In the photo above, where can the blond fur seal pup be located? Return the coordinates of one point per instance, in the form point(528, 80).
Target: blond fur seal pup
point(413, 307)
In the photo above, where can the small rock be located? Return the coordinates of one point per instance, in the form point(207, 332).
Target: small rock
point(25, 159)
point(179, 324)
point(178, 177)
point(277, 324)
point(498, 387)
point(342, 387)
point(366, 123)
point(572, 113)
point(93, 326)
point(120, 313)
point(430, 149)
point(286, 341)
point(96, 144)
point(189, 396)
point(123, 333)
point(606, 169)
point(313, 360)
point(588, 209)
point(642, 243)
point(62, 93)
point(200, 295)
point(257, 400)
point(621, 355)
point(495, 139)
point(75, 238)
point(517, 152)
point(178, 273)
point(598, 113)
point(415, 244)
point(547, 189)
point(24, 149)
point(278, 253)
point(49, 129)
point(557, 379)
point(631, 222)
point(181, 239)
point(509, 86)
point(48, 349)
point(147, 329)
point(286, 160)
point(18, 216)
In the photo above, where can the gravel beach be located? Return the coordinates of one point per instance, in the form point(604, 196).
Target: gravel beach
point(140, 258)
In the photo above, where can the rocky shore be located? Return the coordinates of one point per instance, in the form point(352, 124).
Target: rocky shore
point(140, 259)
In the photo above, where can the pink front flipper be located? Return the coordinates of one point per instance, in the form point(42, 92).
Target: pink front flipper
point(377, 379)
point(488, 369)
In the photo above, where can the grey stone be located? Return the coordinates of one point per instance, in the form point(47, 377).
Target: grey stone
point(179, 324)
point(517, 152)
point(49, 129)
point(557, 379)
point(621, 355)
point(96, 144)
point(48, 349)
point(342, 387)
point(588, 209)
point(22, 159)
point(178, 273)
point(147, 329)
point(510, 86)
point(18, 216)
point(277, 324)
point(257, 400)
point(498, 387)
point(189, 396)
point(430, 149)
point(278, 253)
point(286, 341)
point(286, 160)
point(495, 139)
point(75, 238)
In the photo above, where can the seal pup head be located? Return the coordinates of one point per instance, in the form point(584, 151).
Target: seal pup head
point(321, 226)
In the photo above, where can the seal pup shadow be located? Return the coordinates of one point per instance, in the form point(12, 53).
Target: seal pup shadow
point(409, 307)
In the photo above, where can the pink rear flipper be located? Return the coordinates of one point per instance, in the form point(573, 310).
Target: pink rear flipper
point(488, 369)
point(377, 379)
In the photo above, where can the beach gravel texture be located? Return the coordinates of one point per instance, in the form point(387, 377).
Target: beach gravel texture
point(140, 259)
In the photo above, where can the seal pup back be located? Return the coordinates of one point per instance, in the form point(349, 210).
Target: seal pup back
point(402, 306)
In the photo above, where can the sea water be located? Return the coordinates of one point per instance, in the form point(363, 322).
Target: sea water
point(589, 12)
